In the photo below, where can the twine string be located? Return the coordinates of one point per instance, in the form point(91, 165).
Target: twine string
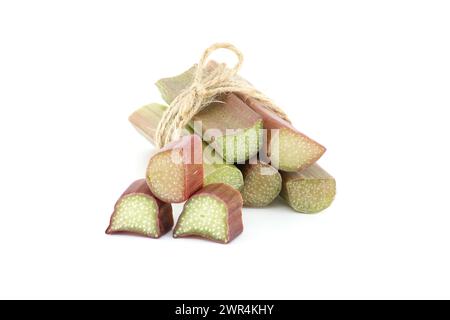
point(207, 85)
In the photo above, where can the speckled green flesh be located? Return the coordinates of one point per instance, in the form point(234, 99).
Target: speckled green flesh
point(292, 151)
point(223, 173)
point(310, 196)
point(165, 176)
point(203, 216)
point(242, 146)
point(309, 191)
point(135, 214)
point(262, 184)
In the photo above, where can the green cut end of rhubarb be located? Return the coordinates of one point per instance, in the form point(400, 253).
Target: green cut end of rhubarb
point(261, 186)
point(204, 216)
point(223, 173)
point(135, 214)
point(295, 151)
point(171, 87)
point(165, 176)
point(242, 146)
point(310, 196)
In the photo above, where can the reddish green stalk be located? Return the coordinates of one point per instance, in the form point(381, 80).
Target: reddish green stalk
point(214, 213)
point(176, 171)
point(288, 149)
point(309, 191)
point(146, 120)
point(139, 212)
point(262, 184)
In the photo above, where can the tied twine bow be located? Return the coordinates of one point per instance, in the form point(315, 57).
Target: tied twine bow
point(207, 84)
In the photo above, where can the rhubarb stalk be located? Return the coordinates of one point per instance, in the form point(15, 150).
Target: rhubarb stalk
point(138, 212)
point(214, 213)
point(176, 171)
point(262, 184)
point(287, 148)
point(309, 191)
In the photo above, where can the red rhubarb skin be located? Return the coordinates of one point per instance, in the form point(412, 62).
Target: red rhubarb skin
point(191, 148)
point(232, 200)
point(273, 121)
point(193, 165)
point(164, 217)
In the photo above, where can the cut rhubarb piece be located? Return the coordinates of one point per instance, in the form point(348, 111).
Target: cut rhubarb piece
point(222, 173)
point(288, 149)
point(309, 191)
point(176, 171)
point(171, 87)
point(262, 184)
point(146, 120)
point(138, 212)
point(229, 125)
point(214, 213)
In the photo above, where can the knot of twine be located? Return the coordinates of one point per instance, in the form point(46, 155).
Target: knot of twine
point(207, 84)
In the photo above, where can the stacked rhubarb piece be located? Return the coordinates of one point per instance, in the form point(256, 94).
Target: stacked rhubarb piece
point(234, 153)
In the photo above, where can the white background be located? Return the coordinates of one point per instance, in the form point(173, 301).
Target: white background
point(368, 79)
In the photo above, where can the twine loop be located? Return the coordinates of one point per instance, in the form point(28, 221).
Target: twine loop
point(207, 84)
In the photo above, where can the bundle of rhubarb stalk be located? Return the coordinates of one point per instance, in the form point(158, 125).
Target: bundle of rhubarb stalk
point(221, 146)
